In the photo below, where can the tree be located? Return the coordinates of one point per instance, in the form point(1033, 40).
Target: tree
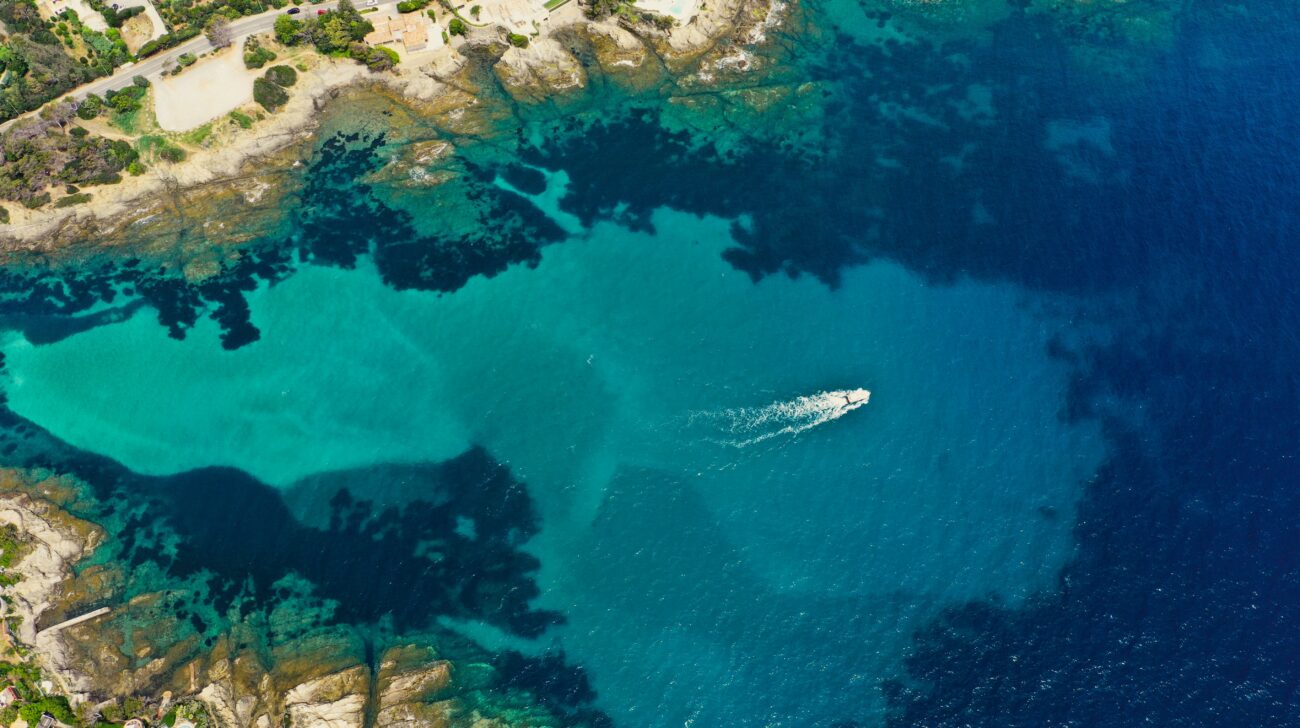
point(381, 59)
point(218, 32)
point(90, 107)
point(287, 30)
point(457, 27)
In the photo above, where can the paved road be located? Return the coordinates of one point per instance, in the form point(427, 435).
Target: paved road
point(154, 65)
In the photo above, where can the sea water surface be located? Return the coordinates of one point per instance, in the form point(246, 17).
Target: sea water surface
point(707, 511)
point(1055, 241)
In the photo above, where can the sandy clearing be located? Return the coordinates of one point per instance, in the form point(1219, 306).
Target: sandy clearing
point(212, 88)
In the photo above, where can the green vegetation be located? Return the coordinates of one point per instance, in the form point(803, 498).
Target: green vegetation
point(475, 11)
point(269, 95)
point(197, 136)
point(25, 678)
point(625, 9)
point(36, 65)
point(114, 18)
point(167, 40)
point(339, 32)
point(56, 706)
point(127, 121)
point(90, 107)
point(45, 152)
point(517, 40)
point(73, 199)
point(383, 58)
point(288, 31)
point(4, 220)
point(282, 76)
point(411, 6)
point(553, 4)
point(13, 545)
point(149, 144)
point(194, 16)
point(186, 59)
point(156, 146)
point(128, 99)
point(244, 121)
point(255, 54)
point(457, 27)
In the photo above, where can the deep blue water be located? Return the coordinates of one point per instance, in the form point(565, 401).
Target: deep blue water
point(1107, 257)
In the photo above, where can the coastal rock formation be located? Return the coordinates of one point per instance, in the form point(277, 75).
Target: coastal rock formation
point(330, 701)
point(540, 72)
point(56, 541)
point(262, 671)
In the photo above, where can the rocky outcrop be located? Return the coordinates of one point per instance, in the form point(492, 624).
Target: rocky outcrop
point(331, 701)
point(55, 541)
point(542, 71)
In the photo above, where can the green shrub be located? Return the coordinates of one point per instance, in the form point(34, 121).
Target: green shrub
point(243, 120)
point(457, 27)
point(124, 103)
point(269, 95)
point(432, 16)
point(135, 169)
point(186, 59)
point(257, 57)
point(32, 203)
point(78, 132)
point(382, 58)
point(474, 11)
point(411, 6)
point(172, 154)
point(517, 40)
point(282, 76)
point(75, 199)
point(287, 30)
point(90, 107)
point(140, 81)
point(5, 717)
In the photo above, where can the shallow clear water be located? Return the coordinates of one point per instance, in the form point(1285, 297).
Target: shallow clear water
point(601, 379)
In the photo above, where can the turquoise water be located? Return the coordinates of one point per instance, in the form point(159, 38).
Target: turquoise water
point(619, 380)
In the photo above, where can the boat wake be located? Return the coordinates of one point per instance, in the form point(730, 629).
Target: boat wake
point(747, 426)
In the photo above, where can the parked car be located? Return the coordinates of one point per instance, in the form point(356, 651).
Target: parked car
point(294, 11)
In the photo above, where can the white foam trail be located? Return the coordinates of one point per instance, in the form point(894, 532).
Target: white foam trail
point(752, 425)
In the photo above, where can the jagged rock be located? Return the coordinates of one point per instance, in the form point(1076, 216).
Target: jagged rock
point(332, 701)
point(421, 715)
point(543, 70)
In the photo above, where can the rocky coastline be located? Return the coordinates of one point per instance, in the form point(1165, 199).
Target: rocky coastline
point(244, 173)
point(133, 661)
